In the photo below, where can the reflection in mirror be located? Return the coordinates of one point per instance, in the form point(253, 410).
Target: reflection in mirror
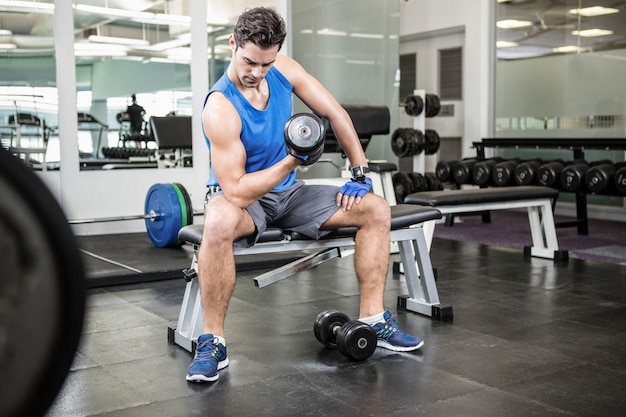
point(28, 96)
point(560, 67)
point(132, 64)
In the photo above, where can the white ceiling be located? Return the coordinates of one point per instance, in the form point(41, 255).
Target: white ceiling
point(552, 26)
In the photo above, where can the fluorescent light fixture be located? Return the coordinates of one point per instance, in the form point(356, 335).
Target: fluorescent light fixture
point(513, 24)
point(594, 11)
point(108, 11)
point(331, 32)
point(568, 49)
point(591, 33)
point(26, 6)
point(117, 41)
point(99, 49)
point(176, 18)
point(367, 35)
point(506, 44)
point(8, 45)
point(5, 32)
point(306, 31)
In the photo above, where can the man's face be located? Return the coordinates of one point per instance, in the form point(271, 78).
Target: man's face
point(251, 62)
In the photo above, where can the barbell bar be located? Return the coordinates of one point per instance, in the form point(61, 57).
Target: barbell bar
point(167, 209)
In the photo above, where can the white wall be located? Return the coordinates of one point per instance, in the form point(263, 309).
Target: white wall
point(426, 19)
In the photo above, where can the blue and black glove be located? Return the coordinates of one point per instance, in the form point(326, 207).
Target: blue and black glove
point(356, 188)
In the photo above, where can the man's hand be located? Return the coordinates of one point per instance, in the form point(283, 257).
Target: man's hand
point(352, 192)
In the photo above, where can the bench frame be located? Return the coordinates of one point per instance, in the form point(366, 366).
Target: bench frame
point(540, 217)
point(423, 297)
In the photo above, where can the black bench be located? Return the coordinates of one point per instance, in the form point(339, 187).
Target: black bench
point(423, 297)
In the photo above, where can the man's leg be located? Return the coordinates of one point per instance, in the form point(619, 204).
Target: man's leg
point(223, 224)
point(371, 263)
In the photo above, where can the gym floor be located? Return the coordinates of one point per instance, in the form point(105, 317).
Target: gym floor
point(529, 338)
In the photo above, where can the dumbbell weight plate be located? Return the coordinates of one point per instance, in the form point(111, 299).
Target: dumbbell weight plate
point(327, 325)
point(356, 340)
point(413, 105)
point(42, 292)
point(304, 132)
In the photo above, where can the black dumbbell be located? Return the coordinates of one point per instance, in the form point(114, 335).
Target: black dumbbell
point(502, 173)
point(526, 172)
point(353, 338)
point(600, 177)
point(462, 170)
point(481, 172)
point(304, 137)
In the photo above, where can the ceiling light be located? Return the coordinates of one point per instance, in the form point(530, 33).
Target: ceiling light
point(594, 11)
point(505, 44)
point(513, 24)
point(99, 49)
point(568, 49)
point(26, 6)
point(590, 33)
point(5, 32)
point(117, 41)
point(107, 11)
point(8, 45)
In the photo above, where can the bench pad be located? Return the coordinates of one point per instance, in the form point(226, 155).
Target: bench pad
point(480, 195)
point(402, 215)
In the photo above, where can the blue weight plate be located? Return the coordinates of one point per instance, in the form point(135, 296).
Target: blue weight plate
point(162, 199)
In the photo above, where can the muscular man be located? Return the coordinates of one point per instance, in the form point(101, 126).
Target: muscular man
point(253, 185)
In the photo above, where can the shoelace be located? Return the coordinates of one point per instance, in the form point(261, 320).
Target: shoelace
point(204, 351)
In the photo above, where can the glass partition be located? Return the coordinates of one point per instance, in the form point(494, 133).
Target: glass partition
point(559, 74)
point(352, 48)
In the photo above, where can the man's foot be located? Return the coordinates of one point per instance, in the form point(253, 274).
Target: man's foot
point(392, 337)
point(210, 357)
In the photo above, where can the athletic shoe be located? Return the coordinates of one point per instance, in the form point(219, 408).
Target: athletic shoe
point(210, 357)
point(392, 337)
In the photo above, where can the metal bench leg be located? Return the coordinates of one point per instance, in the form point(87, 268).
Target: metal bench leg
point(190, 322)
point(423, 296)
point(543, 232)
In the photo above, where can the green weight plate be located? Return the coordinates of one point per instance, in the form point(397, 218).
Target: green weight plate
point(188, 206)
point(42, 292)
point(162, 229)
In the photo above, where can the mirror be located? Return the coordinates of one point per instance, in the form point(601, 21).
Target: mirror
point(28, 96)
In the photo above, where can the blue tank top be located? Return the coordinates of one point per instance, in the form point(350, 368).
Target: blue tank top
point(261, 130)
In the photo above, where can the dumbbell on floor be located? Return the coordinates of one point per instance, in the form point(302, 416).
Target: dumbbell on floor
point(353, 338)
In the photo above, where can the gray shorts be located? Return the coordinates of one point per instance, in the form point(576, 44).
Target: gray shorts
point(301, 208)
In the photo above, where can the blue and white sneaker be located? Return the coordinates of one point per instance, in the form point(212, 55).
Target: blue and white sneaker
point(392, 337)
point(210, 357)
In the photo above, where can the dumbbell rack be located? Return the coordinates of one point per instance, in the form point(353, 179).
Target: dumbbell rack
point(576, 145)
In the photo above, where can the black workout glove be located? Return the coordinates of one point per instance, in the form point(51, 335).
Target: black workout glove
point(354, 188)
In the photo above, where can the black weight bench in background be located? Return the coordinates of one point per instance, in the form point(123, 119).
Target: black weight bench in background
point(538, 201)
point(406, 220)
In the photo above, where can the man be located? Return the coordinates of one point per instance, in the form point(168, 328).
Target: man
point(253, 184)
point(135, 115)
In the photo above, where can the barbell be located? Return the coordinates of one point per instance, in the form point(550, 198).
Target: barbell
point(167, 209)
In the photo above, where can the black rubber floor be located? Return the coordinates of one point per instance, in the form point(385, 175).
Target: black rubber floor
point(529, 338)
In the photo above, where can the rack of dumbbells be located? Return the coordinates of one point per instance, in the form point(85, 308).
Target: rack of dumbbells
point(578, 175)
point(416, 142)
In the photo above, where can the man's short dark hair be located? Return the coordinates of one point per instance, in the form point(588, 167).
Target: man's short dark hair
point(262, 26)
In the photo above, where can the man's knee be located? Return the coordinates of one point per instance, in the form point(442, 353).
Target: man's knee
point(378, 211)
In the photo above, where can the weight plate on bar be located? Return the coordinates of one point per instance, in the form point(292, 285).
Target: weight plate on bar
point(188, 205)
point(42, 292)
point(162, 200)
